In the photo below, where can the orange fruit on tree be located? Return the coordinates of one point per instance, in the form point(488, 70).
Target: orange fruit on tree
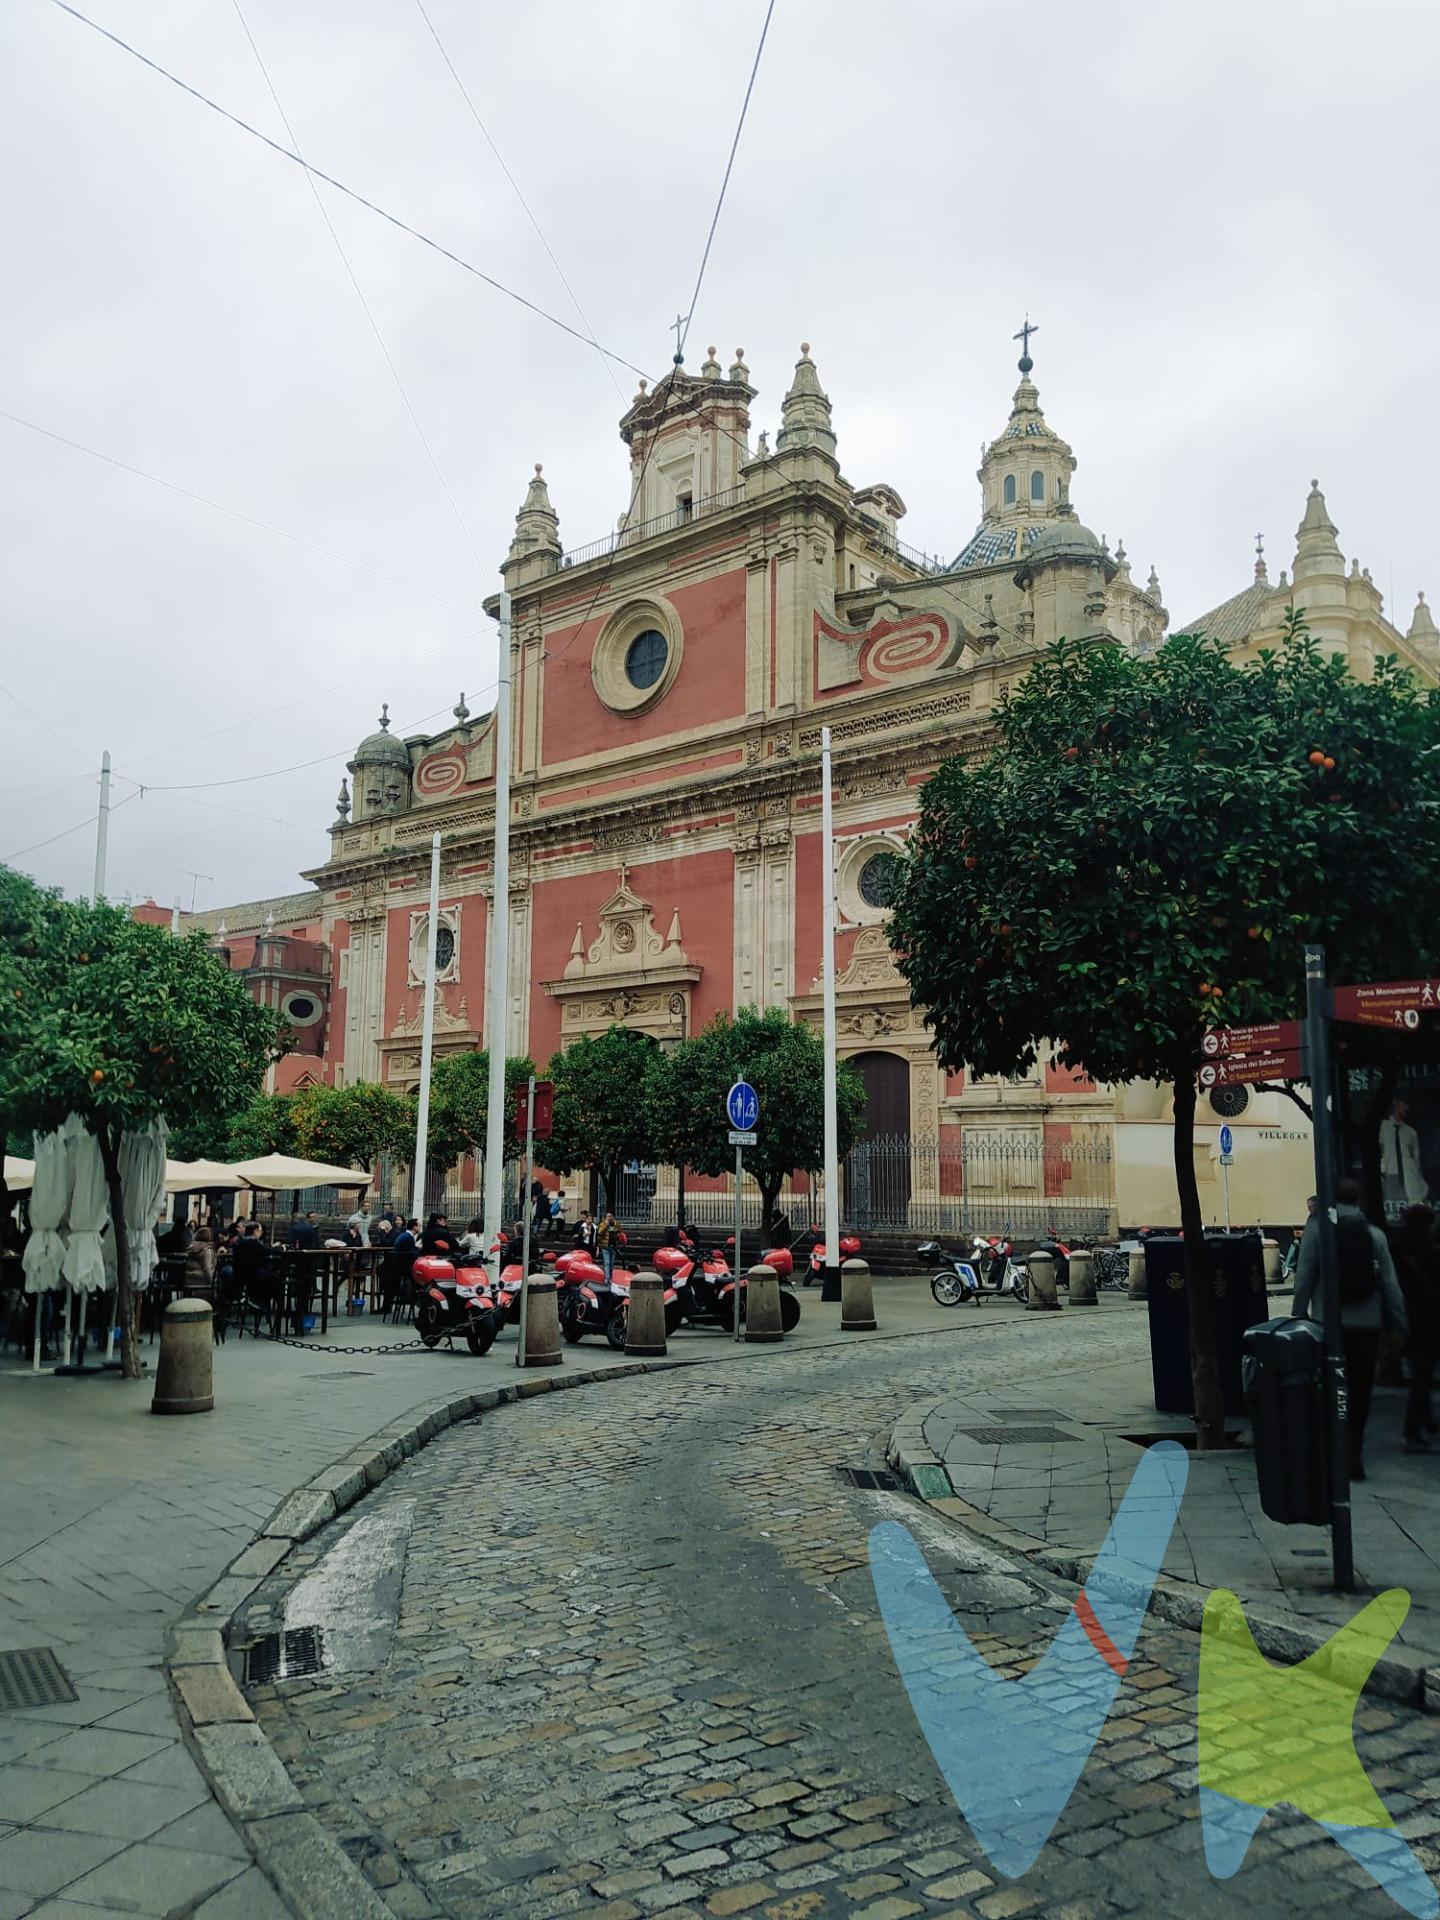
point(1317, 758)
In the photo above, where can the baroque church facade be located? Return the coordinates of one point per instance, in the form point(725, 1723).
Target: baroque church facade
point(669, 685)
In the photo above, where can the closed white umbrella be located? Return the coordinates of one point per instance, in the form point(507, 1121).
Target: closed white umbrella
point(84, 1263)
point(144, 1174)
point(49, 1194)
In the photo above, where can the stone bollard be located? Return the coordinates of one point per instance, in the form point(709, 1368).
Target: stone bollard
point(184, 1377)
point(1082, 1280)
point(1044, 1295)
point(1137, 1273)
point(857, 1298)
point(1270, 1255)
point(762, 1306)
point(542, 1324)
point(645, 1317)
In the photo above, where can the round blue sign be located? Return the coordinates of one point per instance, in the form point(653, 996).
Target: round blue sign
point(742, 1103)
point(1227, 1140)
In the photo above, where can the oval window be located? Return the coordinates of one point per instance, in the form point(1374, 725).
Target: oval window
point(645, 659)
point(444, 947)
point(879, 880)
point(302, 1009)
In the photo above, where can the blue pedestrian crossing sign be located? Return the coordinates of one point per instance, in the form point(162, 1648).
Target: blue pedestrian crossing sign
point(1227, 1140)
point(742, 1104)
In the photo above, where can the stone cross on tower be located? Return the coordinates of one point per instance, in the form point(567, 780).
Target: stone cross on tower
point(1023, 336)
point(677, 326)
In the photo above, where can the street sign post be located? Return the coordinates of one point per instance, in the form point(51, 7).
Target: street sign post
point(1276, 1036)
point(1387, 1003)
point(1227, 1159)
point(742, 1108)
point(1244, 1069)
point(1318, 1016)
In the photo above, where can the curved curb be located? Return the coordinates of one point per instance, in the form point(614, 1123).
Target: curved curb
point(1398, 1677)
point(309, 1871)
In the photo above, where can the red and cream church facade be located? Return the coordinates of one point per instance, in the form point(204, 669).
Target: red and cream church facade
point(669, 687)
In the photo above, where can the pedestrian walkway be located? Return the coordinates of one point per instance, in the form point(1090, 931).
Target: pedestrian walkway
point(113, 1521)
point(1051, 1465)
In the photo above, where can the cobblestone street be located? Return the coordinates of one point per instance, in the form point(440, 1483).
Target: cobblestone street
point(638, 1668)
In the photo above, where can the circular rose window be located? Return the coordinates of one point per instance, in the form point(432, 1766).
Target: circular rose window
point(879, 879)
point(645, 659)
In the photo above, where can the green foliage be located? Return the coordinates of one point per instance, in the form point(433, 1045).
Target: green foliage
point(784, 1062)
point(265, 1126)
point(1147, 849)
point(602, 1104)
point(459, 1100)
point(120, 1023)
point(352, 1126)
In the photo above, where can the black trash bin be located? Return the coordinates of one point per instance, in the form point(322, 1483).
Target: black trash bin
point(1237, 1264)
point(1284, 1376)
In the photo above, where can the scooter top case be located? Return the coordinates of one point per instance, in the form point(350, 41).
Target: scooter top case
point(428, 1267)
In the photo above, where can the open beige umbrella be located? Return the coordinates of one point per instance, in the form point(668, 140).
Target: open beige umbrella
point(279, 1173)
point(201, 1176)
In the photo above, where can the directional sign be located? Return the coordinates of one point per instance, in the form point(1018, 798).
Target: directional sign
point(742, 1103)
point(1246, 1068)
point(1227, 1141)
point(1388, 1003)
point(544, 1109)
point(1277, 1037)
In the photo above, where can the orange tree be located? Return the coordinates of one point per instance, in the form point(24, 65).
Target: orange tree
point(602, 1117)
point(1145, 851)
point(354, 1125)
point(123, 1024)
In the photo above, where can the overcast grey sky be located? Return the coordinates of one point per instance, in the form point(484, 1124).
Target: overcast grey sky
point(1221, 216)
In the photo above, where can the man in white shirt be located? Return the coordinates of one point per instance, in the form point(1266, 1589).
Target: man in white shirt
point(1400, 1176)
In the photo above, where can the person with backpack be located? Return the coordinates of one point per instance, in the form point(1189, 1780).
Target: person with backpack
point(1370, 1299)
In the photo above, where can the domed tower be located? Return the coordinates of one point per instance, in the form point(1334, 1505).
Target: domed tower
point(381, 774)
point(1024, 478)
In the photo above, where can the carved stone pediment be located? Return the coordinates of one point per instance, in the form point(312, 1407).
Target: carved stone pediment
point(630, 975)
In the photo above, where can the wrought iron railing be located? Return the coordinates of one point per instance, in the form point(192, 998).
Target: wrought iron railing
point(633, 533)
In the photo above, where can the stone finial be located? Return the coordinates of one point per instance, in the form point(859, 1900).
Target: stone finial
point(269, 926)
point(460, 710)
point(672, 938)
point(989, 627)
point(710, 366)
point(1260, 573)
point(342, 805)
point(805, 415)
point(222, 932)
point(1122, 559)
point(1152, 586)
point(384, 720)
point(537, 526)
point(738, 369)
point(1284, 582)
point(1316, 548)
point(577, 945)
point(1422, 626)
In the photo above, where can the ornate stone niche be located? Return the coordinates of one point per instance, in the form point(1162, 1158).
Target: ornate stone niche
point(400, 1052)
point(630, 976)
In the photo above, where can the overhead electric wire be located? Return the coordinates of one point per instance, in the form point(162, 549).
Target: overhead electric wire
point(734, 147)
point(45, 727)
point(350, 193)
point(171, 486)
point(65, 832)
point(515, 188)
point(359, 291)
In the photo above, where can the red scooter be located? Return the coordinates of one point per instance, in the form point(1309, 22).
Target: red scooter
point(451, 1302)
point(706, 1286)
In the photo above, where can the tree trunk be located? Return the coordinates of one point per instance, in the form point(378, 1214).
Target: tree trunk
point(1200, 1282)
point(769, 1194)
point(127, 1304)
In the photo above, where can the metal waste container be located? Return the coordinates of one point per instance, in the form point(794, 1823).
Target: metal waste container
point(1238, 1275)
point(1283, 1369)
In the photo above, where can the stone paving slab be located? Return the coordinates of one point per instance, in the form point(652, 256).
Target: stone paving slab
point(1057, 1497)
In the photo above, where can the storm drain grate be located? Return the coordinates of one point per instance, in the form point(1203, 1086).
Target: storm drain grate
point(1028, 1413)
point(33, 1677)
point(877, 1480)
point(285, 1656)
point(1019, 1436)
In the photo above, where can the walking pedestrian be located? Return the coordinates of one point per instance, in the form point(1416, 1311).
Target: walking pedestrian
point(585, 1232)
point(1370, 1299)
point(540, 1207)
point(1417, 1265)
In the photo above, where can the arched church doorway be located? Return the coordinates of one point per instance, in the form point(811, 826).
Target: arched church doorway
point(877, 1185)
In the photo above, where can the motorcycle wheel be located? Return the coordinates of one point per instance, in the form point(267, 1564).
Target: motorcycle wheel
point(947, 1289)
point(1022, 1288)
point(674, 1314)
point(570, 1327)
point(789, 1311)
point(615, 1329)
point(480, 1333)
point(429, 1323)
